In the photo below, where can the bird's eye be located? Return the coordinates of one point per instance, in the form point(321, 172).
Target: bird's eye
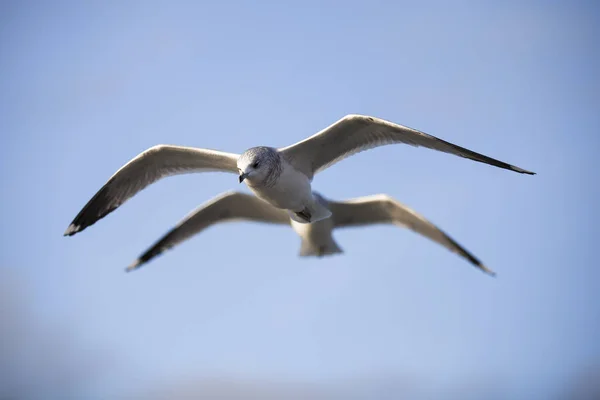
point(255, 165)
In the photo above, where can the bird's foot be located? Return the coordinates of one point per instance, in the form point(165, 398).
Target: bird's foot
point(304, 214)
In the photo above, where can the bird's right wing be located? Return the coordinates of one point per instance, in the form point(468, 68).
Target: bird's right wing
point(356, 133)
point(226, 207)
point(378, 209)
point(148, 167)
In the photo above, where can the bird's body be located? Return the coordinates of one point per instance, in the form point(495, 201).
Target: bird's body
point(287, 189)
point(290, 192)
point(282, 177)
point(317, 237)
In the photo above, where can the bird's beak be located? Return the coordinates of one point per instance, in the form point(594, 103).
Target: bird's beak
point(242, 177)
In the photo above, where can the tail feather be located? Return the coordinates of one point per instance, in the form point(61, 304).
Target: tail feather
point(308, 249)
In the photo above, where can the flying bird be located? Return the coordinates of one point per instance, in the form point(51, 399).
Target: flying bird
point(282, 177)
point(317, 237)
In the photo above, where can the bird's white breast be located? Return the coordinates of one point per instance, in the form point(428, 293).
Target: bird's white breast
point(292, 190)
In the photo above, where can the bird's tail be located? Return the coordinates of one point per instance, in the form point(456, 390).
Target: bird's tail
point(308, 249)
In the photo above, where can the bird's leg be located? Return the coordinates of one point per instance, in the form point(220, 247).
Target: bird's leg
point(304, 214)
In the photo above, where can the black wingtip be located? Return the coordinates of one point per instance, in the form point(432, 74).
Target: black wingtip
point(486, 270)
point(522, 171)
point(134, 265)
point(72, 229)
point(96, 209)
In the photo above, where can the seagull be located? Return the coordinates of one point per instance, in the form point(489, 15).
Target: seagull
point(280, 176)
point(316, 238)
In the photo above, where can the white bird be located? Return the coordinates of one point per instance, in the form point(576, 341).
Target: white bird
point(317, 237)
point(281, 177)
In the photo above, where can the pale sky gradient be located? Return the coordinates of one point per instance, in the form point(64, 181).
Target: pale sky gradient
point(86, 86)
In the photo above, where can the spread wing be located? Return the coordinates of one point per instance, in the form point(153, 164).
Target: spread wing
point(379, 209)
point(148, 167)
point(356, 133)
point(226, 207)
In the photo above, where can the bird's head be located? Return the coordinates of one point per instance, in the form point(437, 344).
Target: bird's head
point(255, 165)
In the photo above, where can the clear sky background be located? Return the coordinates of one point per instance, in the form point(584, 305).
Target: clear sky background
point(86, 86)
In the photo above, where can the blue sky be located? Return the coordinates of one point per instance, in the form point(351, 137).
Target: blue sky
point(86, 86)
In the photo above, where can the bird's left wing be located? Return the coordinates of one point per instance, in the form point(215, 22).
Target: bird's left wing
point(379, 209)
point(145, 169)
point(229, 206)
point(355, 133)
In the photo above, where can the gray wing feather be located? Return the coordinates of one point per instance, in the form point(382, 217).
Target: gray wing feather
point(229, 206)
point(148, 167)
point(356, 133)
point(379, 209)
